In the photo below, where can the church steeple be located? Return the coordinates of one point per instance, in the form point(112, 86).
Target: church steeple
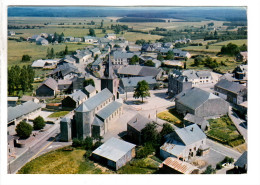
point(109, 72)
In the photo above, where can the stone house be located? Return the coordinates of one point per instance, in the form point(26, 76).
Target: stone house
point(74, 100)
point(231, 91)
point(65, 71)
point(200, 103)
point(82, 56)
point(89, 91)
point(183, 143)
point(48, 88)
point(90, 39)
point(110, 36)
point(64, 85)
point(122, 58)
point(114, 153)
point(97, 64)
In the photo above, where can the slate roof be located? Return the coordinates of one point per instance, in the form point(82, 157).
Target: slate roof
point(138, 122)
point(120, 54)
point(65, 119)
point(65, 69)
point(51, 83)
point(230, 86)
point(97, 122)
point(38, 63)
point(194, 119)
point(64, 82)
point(242, 160)
point(180, 166)
point(104, 40)
point(139, 70)
point(97, 62)
point(132, 81)
point(20, 110)
point(69, 59)
point(95, 50)
point(94, 101)
point(194, 97)
point(90, 89)
point(114, 149)
point(173, 147)
point(108, 110)
point(192, 74)
point(78, 95)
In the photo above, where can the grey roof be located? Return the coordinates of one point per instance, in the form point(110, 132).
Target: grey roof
point(104, 40)
point(41, 40)
point(78, 95)
point(120, 54)
point(138, 122)
point(188, 135)
point(20, 110)
point(90, 89)
point(94, 101)
point(108, 110)
point(132, 81)
point(69, 59)
point(194, 119)
point(51, 83)
point(38, 63)
point(97, 62)
point(138, 70)
point(203, 73)
point(242, 160)
point(97, 122)
point(173, 147)
point(65, 120)
point(95, 50)
point(35, 37)
point(194, 97)
point(114, 149)
point(64, 82)
point(65, 69)
point(230, 86)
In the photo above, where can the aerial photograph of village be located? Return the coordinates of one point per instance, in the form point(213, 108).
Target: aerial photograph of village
point(127, 90)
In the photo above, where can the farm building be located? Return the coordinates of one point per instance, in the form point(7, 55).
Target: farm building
point(129, 84)
point(114, 153)
point(65, 71)
point(200, 103)
point(110, 36)
point(173, 165)
point(192, 119)
point(64, 85)
point(42, 41)
point(48, 88)
point(231, 91)
point(183, 143)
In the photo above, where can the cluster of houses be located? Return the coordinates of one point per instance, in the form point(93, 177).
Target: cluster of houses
point(94, 111)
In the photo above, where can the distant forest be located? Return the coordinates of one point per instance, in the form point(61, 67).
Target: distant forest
point(153, 13)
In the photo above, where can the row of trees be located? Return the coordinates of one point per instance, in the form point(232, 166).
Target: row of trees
point(232, 49)
point(24, 129)
point(20, 79)
point(206, 61)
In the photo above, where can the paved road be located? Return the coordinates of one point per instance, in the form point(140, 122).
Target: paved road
point(33, 151)
point(239, 123)
point(223, 149)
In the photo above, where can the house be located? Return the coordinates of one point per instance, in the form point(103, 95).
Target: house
point(114, 153)
point(77, 39)
point(67, 59)
point(143, 59)
point(64, 85)
point(231, 91)
point(148, 47)
point(92, 117)
point(10, 33)
point(65, 71)
point(122, 58)
point(136, 70)
point(97, 64)
point(168, 45)
point(173, 165)
point(74, 100)
point(190, 119)
point(163, 50)
point(22, 112)
point(11, 101)
point(240, 165)
point(90, 40)
point(177, 83)
point(102, 42)
point(240, 73)
point(174, 63)
point(82, 55)
point(69, 39)
point(130, 83)
point(77, 83)
point(135, 126)
point(34, 38)
point(242, 56)
point(48, 88)
point(44, 63)
point(181, 54)
point(110, 36)
point(95, 51)
point(42, 41)
point(89, 91)
point(200, 103)
point(183, 143)
point(29, 98)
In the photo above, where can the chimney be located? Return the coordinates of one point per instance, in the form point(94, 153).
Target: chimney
point(191, 129)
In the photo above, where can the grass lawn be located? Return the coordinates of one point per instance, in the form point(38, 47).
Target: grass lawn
point(224, 131)
point(171, 116)
point(74, 162)
point(58, 114)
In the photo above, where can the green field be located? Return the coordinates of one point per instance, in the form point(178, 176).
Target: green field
point(74, 162)
point(58, 114)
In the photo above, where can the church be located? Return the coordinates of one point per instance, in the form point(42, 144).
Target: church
point(92, 117)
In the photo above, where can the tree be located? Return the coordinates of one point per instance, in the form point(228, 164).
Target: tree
point(52, 55)
point(207, 46)
point(127, 48)
point(149, 134)
point(149, 63)
point(142, 90)
point(145, 150)
point(48, 53)
point(89, 81)
point(88, 142)
point(209, 170)
point(66, 50)
point(23, 130)
point(185, 65)
point(26, 58)
point(170, 55)
point(134, 60)
point(160, 57)
point(243, 47)
point(96, 57)
point(167, 129)
point(102, 24)
point(92, 32)
point(104, 30)
point(116, 46)
point(38, 123)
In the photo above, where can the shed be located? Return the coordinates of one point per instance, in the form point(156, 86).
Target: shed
point(48, 88)
point(115, 153)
